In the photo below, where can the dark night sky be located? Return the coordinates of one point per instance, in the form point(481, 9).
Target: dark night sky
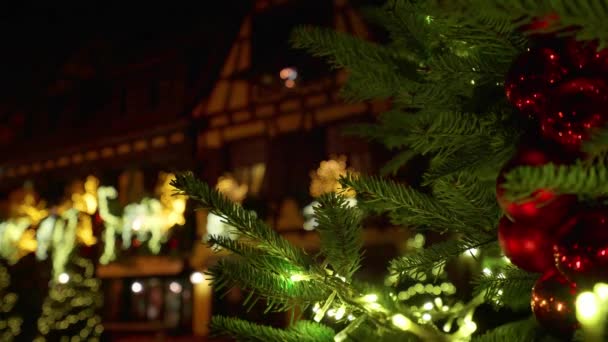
point(36, 39)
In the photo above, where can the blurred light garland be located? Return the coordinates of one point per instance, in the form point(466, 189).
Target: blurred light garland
point(10, 324)
point(33, 227)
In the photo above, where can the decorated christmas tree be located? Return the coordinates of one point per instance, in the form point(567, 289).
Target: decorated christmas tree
point(69, 312)
point(505, 102)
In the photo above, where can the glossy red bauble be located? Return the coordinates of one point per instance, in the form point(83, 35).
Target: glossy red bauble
point(530, 77)
point(581, 254)
point(576, 106)
point(529, 247)
point(553, 303)
point(543, 205)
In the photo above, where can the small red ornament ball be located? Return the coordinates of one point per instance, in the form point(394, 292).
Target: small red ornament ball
point(576, 106)
point(553, 303)
point(581, 254)
point(530, 77)
point(543, 205)
point(529, 247)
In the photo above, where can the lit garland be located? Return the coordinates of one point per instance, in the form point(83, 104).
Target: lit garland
point(71, 305)
point(455, 316)
point(10, 325)
point(34, 228)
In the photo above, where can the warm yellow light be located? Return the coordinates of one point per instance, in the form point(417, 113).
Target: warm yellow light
point(350, 317)
point(298, 277)
point(137, 287)
point(340, 313)
point(136, 224)
point(428, 306)
point(427, 317)
point(401, 322)
point(487, 271)
point(587, 308)
point(370, 298)
point(470, 327)
point(601, 290)
point(196, 277)
point(63, 278)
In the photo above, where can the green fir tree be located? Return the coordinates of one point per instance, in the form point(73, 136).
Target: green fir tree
point(443, 69)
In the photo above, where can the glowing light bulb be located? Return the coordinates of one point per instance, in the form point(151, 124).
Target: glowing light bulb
point(298, 277)
point(587, 308)
point(401, 322)
point(487, 271)
point(136, 226)
point(331, 313)
point(472, 252)
point(350, 317)
point(63, 278)
point(370, 298)
point(340, 313)
point(196, 277)
point(427, 317)
point(601, 290)
point(316, 308)
point(137, 287)
point(175, 287)
point(428, 306)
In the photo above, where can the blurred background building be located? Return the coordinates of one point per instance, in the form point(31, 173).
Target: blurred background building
point(125, 94)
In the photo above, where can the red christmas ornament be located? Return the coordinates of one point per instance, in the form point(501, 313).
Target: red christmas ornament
point(543, 205)
point(584, 57)
point(530, 77)
point(576, 106)
point(541, 23)
point(553, 303)
point(581, 254)
point(529, 247)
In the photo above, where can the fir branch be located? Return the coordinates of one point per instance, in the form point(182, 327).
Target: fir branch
point(473, 199)
point(597, 145)
point(246, 222)
point(587, 16)
point(436, 255)
point(413, 207)
point(255, 257)
point(407, 25)
point(281, 292)
point(339, 227)
point(479, 158)
point(509, 287)
point(581, 179)
point(524, 331)
point(397, 162)
point(389, 75)
point(302, 331)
